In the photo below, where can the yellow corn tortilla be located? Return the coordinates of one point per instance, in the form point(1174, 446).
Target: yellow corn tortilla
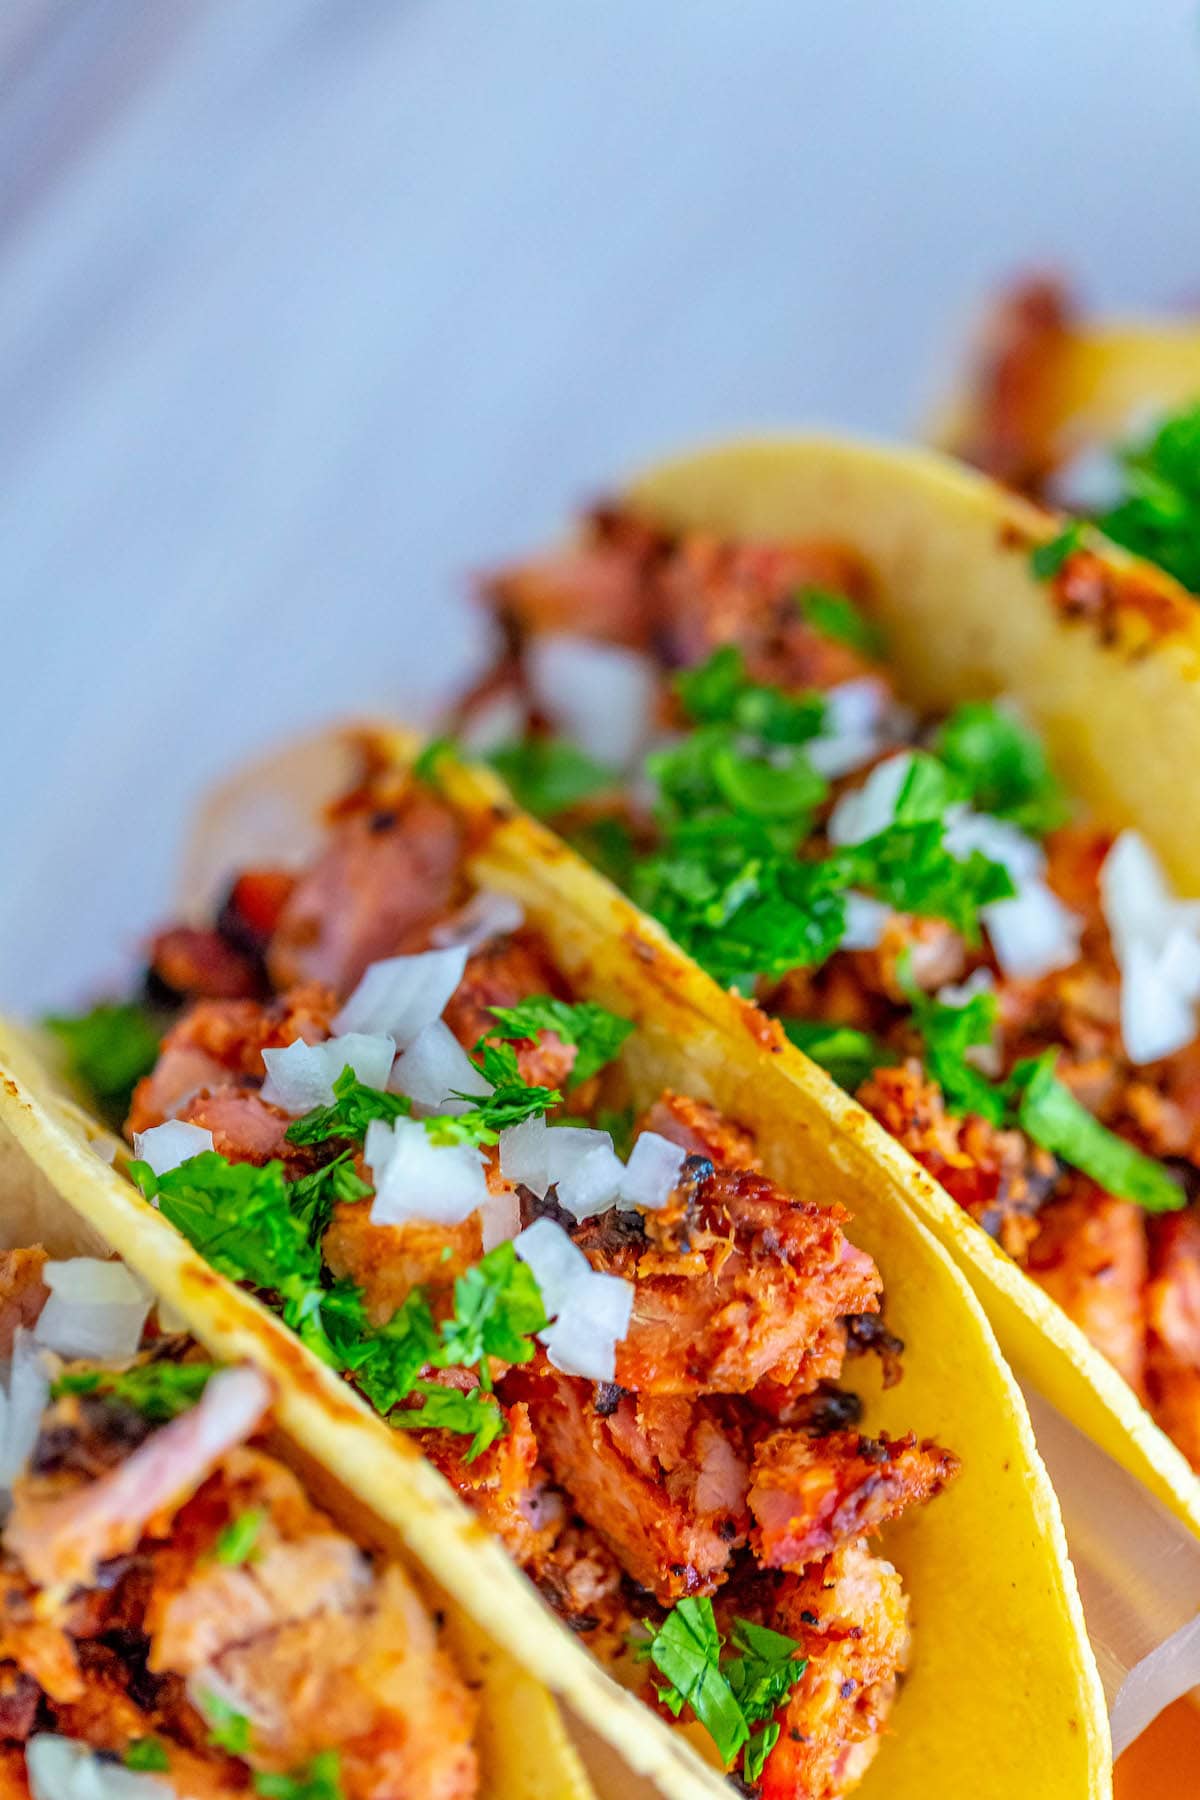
point(1003, 1689)
point(1095, 385)
point(965, 617)
point(524, 1749)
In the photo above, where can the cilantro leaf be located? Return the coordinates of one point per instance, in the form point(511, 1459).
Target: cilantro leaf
point(910, 867)
point(228, 1729)
point(511, 1101)
point(354, 1107)
point(836, 616)
point(1050, 1114)
point(108, 1050)
point(754, 1756)
point(392, 1358)
point(497, 1308)
point(1047, 559)
point(549, 775)
point(1002, 765)
point(950, 1033)
point(1159, 515)
point(765, 1672)
point(236, 1543)
point(475, 1414)
point(148, 1754)
point(686, 1649)
point(720, 692)
point(847, 1054)
point(160, 1391)
point(425, 768)
point(597, 1033)
point(320, 1780)
point(314, 1196)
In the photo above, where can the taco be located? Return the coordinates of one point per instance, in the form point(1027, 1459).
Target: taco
point(877, 746)
point(1100, 419)
point(581, 1249)
point(193, 1610)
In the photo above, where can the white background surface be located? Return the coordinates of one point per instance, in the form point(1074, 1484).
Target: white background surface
point(310, 307)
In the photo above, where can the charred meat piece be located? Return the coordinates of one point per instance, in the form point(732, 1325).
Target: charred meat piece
point(809, 1496)
point(503, 973)
point(1089, 1255)
point(374, 891)
point(697, 1127)
point(662, 1481)
point(388, 1261)
point(507, 1485)
point(23, 1293)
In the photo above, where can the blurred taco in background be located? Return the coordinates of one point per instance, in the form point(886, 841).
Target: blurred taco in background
point(192, 1609)
point(882, 748)
point(581, 1303)
point(1100, 418)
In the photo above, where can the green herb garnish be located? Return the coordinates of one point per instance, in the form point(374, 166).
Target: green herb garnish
point(147, 1754)
point(1047, 559)
point(844, 1052)
point(160, 1391)
point(836, 616)
point(108, 1050)
point(549, 775)
point(475, 1413)
point(1002, 766)
point(321, 1780)
point(237, 1542)
point(1159, 515)
point(228, 1729)
point(1050, 1114)
point(355, 1106)
point(597, 1033)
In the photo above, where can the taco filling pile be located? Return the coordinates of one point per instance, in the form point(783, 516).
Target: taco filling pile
point(380, 1106)
point(1010, 990)
point(178, 1617)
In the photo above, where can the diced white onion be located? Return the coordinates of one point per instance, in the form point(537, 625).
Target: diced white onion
point(591, 1312)
point(486, 915)
point(524, 1157)
point(418, 1179)
point(164, 1147)
point(652, 1172)
point(435, 1065)
point(497, 720)
point(581, 1165)
point(22, 1406)
point(500, 1218)
point(980, 981)
point(865, 922)
point(997, 839)
point(600, 695)
point(302, 1075)
point(96, 1309)
point(61, 1769)
point(402, 994)
point(1156, 942)
point(860, 721)
point(1033, 933)
point(870, 809)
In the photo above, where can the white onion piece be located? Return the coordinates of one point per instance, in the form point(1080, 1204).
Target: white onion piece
point(1156, 941)
point(486, 915)
point(495, 721)
point(870, 809)
point(403, 993)
point(865, 922)
point(857, 726)
point(500, 1218)
point(980, 981)
point(524, 1156)
point(435, 1065)
point(652, 1172)
point(1033, 933)
point(591, 1312)
point(164, 1147)
point(600, 695)
point(60, 1769)
point(21, 1408)
point(96, 1309)
point(998, 839)
point(418, 1179)
point(302, 1075)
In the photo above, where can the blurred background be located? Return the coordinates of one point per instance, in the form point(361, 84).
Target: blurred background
point(310, 308)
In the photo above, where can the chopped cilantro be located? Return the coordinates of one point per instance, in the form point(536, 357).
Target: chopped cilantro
point(548, 775)
point(497, 1308)
point(910, 867)
point(425, 768)
point(321, 1780)
point(160, 1391)
point(314, 1196)
point(728, 1694)
point(607, 843)
point(950, 1033)
point(1159, 515)
point(1050, 1114)
point(847, 1054)
point(836, 616)
point(1002, 765)
point(240, 1219)
point(354, 1107)
point(719, 692)
point(237, 1542)
point(1047, 559)
point(390, 1361)
point(511, 1101)
point(597, 1033)
point(108, 1050)
point(147, 1754)
point(228, 1729)
point(474, 1413)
